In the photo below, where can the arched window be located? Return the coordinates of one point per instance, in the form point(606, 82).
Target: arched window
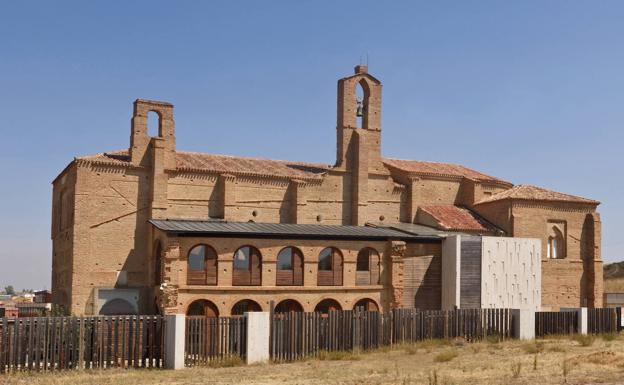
point(367, 267)
point(153, 124)
point(157, 264)
point(118, 306)
point(556, 244)
point(247, 267)
point(245, 306)
point(329, 267)
point(327, 305)
point(362, 93)
point(289, 267)
point(287, 306)
point(202, 266)
point(366, 304)
point(202, 307)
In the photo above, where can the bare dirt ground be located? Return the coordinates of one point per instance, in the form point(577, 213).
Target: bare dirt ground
point(578, 360)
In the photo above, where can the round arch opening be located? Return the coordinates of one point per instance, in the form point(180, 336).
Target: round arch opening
point(244, 306)
point(288, 305)
point(202, 307)
point(117, 306)
point(366, 304)
point(327, 305)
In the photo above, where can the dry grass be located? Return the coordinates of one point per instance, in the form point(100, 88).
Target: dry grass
point(614, 285)
point(533, 347)
point(551, 361)
point(584, 340)
point(446, 355)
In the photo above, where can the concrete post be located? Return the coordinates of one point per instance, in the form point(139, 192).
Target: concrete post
point(174, 341)
point(258, 336)
point(523, 323)
point(581, 314)
point(582, 320)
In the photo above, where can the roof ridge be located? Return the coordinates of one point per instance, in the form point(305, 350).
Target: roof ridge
point(252, 158)
point(533, 194)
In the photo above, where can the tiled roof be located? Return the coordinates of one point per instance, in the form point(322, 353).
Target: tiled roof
point(226, 164)
point(450, 217)
point(195, 161)
point(528, 192)
point(435, 168)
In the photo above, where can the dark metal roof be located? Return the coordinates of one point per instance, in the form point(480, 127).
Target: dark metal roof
point(281, 230)
point(416, 229)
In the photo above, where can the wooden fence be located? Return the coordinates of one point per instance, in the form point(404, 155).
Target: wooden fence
point(471, 324)
point(606, 320)
point(555, 322)
point(296, 335)
point(56, 343)
point(209, 338)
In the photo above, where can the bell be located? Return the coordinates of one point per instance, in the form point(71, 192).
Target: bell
point(360, 108)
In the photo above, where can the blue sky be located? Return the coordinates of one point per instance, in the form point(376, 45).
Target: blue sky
point(529, 91)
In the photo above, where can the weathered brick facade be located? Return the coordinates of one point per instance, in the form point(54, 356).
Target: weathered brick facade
point(102, 204)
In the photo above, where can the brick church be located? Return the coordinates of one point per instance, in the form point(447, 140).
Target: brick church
point(151, 229)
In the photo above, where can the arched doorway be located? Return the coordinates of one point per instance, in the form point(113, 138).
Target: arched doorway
point(202, 307)
point(327, 305)
point(245, 306)
point(366, 304)
point(117, 306)
point(288, 305)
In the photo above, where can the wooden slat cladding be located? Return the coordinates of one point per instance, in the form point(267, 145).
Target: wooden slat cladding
point(297, 269)
point(203, 269)
point(554, 322)
point(210, 339)
point(248, 268)
point(59, 343)
point(470, 280)
point(362, 278)
point(606, 320)
point(367, 267)
point(422, 282)
point(297, 335)
point(330, 271)
point(292, 276)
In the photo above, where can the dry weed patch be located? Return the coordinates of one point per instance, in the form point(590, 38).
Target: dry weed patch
point(446, 356)
point(533, 347)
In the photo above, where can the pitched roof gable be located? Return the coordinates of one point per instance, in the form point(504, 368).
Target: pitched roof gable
point(534, 193)
point(450, 217)
point(439, 169)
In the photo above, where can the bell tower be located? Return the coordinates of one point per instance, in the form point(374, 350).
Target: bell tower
point(359, 121)
point(139, 138)
point(358, 130)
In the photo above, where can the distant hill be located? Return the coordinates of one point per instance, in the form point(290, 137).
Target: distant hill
point(613, 270)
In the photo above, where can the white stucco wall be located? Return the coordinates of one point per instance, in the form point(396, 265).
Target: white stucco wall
point(451, 248)
point(511, 273)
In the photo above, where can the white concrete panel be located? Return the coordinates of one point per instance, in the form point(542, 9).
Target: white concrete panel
point(581, 314)
point(258, 327)
point(523, 323)
point(451, 258)
point(511, 275)
point(104, 295)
